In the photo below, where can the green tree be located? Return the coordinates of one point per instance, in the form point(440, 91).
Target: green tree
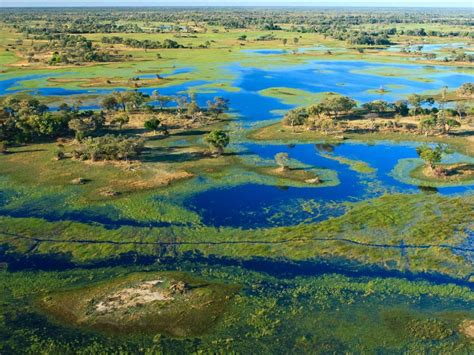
point(466, 89)
point(120, 120)
point(81, 127)
point(296, 117)
point(416, 101)
point(316, 110)
point(431, 156)
point(218, 140)
point(401, 107)
point(336, 104)
point(452, 123)
point(110, 103)
point(378, 106)
point(153, 124)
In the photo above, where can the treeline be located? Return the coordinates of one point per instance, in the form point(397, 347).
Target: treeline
point(146, 44)
point(24, 120)
point(77, 26)
point(70, 49)
point(320, 20)
point(330, 114)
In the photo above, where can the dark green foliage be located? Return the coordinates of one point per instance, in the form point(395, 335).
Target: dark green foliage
point(109, 147)
point(429, 329)
point(218, 140)
point(146, 44)
point(296, 117)
point(27, 120)
point(432, 156)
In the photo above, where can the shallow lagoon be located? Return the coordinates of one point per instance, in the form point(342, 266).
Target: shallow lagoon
point(353, 78)
point(254, 205)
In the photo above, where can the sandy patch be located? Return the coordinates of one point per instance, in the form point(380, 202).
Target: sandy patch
point(145, 292)
point(467, 328)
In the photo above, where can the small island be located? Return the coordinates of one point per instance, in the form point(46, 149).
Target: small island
point(171, 303)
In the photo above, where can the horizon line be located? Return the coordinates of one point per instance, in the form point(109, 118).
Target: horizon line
point(237, 6)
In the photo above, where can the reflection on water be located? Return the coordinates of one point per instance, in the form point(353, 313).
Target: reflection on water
point(255, 205)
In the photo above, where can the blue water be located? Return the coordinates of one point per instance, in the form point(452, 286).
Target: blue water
point(264, 51)
point(174, 72)
point(429, 48)
point(343, 77)
point(254, 205)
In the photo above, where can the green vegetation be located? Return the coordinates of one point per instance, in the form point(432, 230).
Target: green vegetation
point(117, 147)
point(359, 166)
point(218, 140)
point(431, 156)
point(166, 303)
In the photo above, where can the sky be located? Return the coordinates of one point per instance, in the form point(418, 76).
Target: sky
point(377, 3)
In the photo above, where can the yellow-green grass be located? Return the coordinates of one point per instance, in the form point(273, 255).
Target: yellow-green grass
point(357, 236)
point(459, 173)
point(355, 165)
point(177, 314)
point(279, 132)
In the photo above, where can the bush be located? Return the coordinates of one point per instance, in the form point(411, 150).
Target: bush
point(109, 147)
point(218, 140)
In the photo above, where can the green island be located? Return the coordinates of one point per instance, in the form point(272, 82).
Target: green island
point(236, 180)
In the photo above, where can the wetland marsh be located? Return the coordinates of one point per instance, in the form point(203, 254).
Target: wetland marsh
point(202, 216)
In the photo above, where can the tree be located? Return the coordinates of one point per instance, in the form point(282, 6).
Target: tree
point(121, 99)
point(110, 103)
point(460, 108)
point(193, 109)
point(441, 120)
point(81, 127)
point(163, 100)
point(337, 104)
point(182, 102)
point(378, 106)
point(296, 117)
point(466, 89)
point(296, 40)
point(134, 99)
point(282, 160)
point(109, 147)
point(218, 140)
point(431, 156)
point(120, 120)
point(316, 110)
point(47, 124)
point(428, 124)
point(326, 125)
point(417, 101)
point(218, 106)
point(451, 123)
point(284, 41)
point(401, 107)
point(153, 124)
